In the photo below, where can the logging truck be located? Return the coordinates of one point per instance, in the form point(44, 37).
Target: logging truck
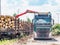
point(13, 27)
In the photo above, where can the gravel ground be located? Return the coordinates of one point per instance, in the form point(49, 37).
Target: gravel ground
point(31, 41)
point(54, 41)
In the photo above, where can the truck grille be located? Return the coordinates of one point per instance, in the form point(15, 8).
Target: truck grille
point(43, 32)
point(43, 25)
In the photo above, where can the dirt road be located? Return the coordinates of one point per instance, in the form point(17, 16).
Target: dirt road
point(31, 41)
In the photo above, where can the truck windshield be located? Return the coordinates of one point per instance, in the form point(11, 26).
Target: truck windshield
point(44, 20)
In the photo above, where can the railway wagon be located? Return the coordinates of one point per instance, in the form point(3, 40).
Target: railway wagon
point(9, 26)
point(12, 27)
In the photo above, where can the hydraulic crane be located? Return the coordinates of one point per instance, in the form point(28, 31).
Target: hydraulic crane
point(27, 11)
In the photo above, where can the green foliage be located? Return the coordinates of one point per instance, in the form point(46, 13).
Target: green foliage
point(57, 26)
point(14, 14)
point(56, 29)
point(7, 42)
point(28, 20)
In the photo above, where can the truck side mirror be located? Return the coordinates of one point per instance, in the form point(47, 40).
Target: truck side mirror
point(52, 21)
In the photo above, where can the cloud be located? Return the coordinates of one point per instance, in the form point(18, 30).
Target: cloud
point(22, 5)
point(9, 7)
point(17, 3)
point(58, 1)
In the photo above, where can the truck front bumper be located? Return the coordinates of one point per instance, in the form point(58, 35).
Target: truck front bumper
point(42, 38)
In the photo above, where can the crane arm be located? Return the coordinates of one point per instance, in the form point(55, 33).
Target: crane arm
point(27, 11)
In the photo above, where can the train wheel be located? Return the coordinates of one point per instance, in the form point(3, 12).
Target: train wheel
point(18, 35)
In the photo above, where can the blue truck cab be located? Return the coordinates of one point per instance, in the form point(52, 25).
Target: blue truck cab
point(42, 25)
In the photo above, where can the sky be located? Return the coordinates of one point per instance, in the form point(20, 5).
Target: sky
point(9, 7)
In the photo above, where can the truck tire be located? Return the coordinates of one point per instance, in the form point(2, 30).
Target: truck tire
point(17, 35)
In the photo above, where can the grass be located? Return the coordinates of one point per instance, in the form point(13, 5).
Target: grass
point(7, 42)
point(11, 41)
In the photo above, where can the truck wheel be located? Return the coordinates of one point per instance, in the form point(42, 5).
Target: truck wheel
point(17, 35)
point(0, 38)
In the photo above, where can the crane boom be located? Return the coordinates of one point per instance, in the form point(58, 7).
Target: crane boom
point(27, 11)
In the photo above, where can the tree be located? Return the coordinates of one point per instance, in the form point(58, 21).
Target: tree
point(28, 20)
point(56, 29)
point(14, 14)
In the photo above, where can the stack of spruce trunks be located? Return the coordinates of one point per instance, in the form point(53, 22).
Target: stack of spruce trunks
point(6, 22)
point(10, 22)
point(26, 27)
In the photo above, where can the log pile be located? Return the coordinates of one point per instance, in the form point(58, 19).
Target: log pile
point(25, 26)
point(6, 21)
point(9, 22)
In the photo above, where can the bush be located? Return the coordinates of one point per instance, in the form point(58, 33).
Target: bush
point(56, 29)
